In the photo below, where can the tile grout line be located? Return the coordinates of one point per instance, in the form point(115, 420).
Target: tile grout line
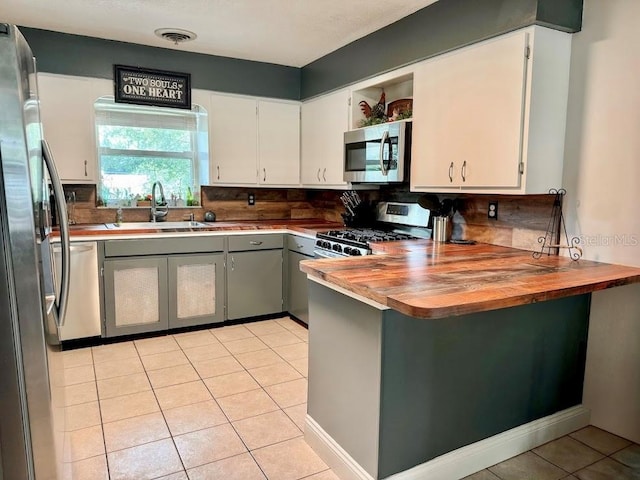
point(138, 356)
point(66, 432)
point(224, 413)
point(184, 469)
point(280, 409)
point(561, 468)
point(274, 400)
point(260, 387)
point(549, 461)
point(589, 446)
point(104, 439)
point(219, 407)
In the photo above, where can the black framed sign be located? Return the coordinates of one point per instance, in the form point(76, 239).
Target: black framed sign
point(144, 86)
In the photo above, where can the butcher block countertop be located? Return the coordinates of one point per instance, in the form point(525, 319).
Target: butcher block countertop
point(308, 227)
point(431, 280)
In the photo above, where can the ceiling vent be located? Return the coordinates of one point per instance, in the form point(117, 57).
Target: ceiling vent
point(175, 35)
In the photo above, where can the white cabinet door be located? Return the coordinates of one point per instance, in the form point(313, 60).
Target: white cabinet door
point(468, 117)
point(67, 115)
point(324, 121)
point(278, 143)
point(233, 139)
point(202, 98)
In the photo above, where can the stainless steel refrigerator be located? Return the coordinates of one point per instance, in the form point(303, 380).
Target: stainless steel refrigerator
point(27, 298)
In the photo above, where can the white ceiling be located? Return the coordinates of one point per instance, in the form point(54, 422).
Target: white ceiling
point(286, 32)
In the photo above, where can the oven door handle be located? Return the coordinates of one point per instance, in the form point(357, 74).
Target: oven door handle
point(321, 254)
point(59, 308)
point(383, 140)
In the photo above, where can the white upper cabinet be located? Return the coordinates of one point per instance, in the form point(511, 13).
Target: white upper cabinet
point(324, 121)
point(67, 115)
point(490, 118)
point(233, 140)
point(278, 143)
point(254, 141)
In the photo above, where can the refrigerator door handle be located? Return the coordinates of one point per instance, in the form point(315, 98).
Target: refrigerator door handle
point(60, 307)
point(50, 301)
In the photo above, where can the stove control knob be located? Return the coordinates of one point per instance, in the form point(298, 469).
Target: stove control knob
point(318, 243)
point(355, 252)
point(347, 250)
point(337, 248)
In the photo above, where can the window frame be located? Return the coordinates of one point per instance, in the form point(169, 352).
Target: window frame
point(198, 157)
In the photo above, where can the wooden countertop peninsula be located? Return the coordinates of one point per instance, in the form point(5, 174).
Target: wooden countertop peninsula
point(430, 280)
point(426, 279)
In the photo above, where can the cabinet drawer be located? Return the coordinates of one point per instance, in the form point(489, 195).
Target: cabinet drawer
point(302, 245)
point(160, 246)
point(240, 243)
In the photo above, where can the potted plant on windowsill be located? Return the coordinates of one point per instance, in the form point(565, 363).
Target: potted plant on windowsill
point(143, 201)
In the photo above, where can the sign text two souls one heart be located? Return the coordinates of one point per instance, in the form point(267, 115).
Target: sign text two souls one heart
point(152, 87)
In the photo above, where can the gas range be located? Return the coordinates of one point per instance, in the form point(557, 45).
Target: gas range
point(396, 221)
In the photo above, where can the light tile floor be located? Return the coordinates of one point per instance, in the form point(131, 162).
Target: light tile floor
point(229, 403)
point(225, 403)
point(587, 454)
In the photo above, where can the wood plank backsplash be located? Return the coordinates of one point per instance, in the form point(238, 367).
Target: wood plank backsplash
point(228, 203)
point(521, 218)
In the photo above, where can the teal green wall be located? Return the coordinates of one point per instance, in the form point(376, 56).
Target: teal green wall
point(94, 57)
point(440, 27)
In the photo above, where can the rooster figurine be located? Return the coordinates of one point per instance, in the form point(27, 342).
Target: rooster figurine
point(377, 111)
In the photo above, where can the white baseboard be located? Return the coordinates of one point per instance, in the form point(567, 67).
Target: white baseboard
point(345, 467)
point(463, 461)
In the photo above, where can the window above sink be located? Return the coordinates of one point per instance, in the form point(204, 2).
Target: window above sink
point(137, 145)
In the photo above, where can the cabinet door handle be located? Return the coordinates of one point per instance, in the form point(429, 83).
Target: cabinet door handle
point(324, 174)
point(318, 175)
point(264, 177)
point(85, 169)
point(463, 172)
point(451, 172)
point(255, 242)
point(233, 263)
point(218, 170)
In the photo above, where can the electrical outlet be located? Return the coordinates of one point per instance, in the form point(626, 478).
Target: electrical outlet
point(252, 199)
point(492, 211)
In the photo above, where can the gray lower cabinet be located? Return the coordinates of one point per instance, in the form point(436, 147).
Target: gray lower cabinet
point(155, 284)
point(254, 277)
point(135, 294)
point(196, 289)
point(299, 248)
point(155, 293)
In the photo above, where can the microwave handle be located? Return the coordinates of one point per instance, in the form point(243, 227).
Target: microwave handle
point(385, 137)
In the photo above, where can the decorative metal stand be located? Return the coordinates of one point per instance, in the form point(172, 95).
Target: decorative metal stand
point(551, 240)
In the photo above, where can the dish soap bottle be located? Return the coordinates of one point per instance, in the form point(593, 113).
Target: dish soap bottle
point(189, 197)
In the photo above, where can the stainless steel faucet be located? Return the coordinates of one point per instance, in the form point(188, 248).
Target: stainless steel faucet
point(158, 212)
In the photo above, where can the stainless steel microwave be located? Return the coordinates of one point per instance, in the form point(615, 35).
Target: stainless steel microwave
point(378, 154)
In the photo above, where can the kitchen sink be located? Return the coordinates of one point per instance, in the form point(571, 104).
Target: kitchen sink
point(154, 226)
